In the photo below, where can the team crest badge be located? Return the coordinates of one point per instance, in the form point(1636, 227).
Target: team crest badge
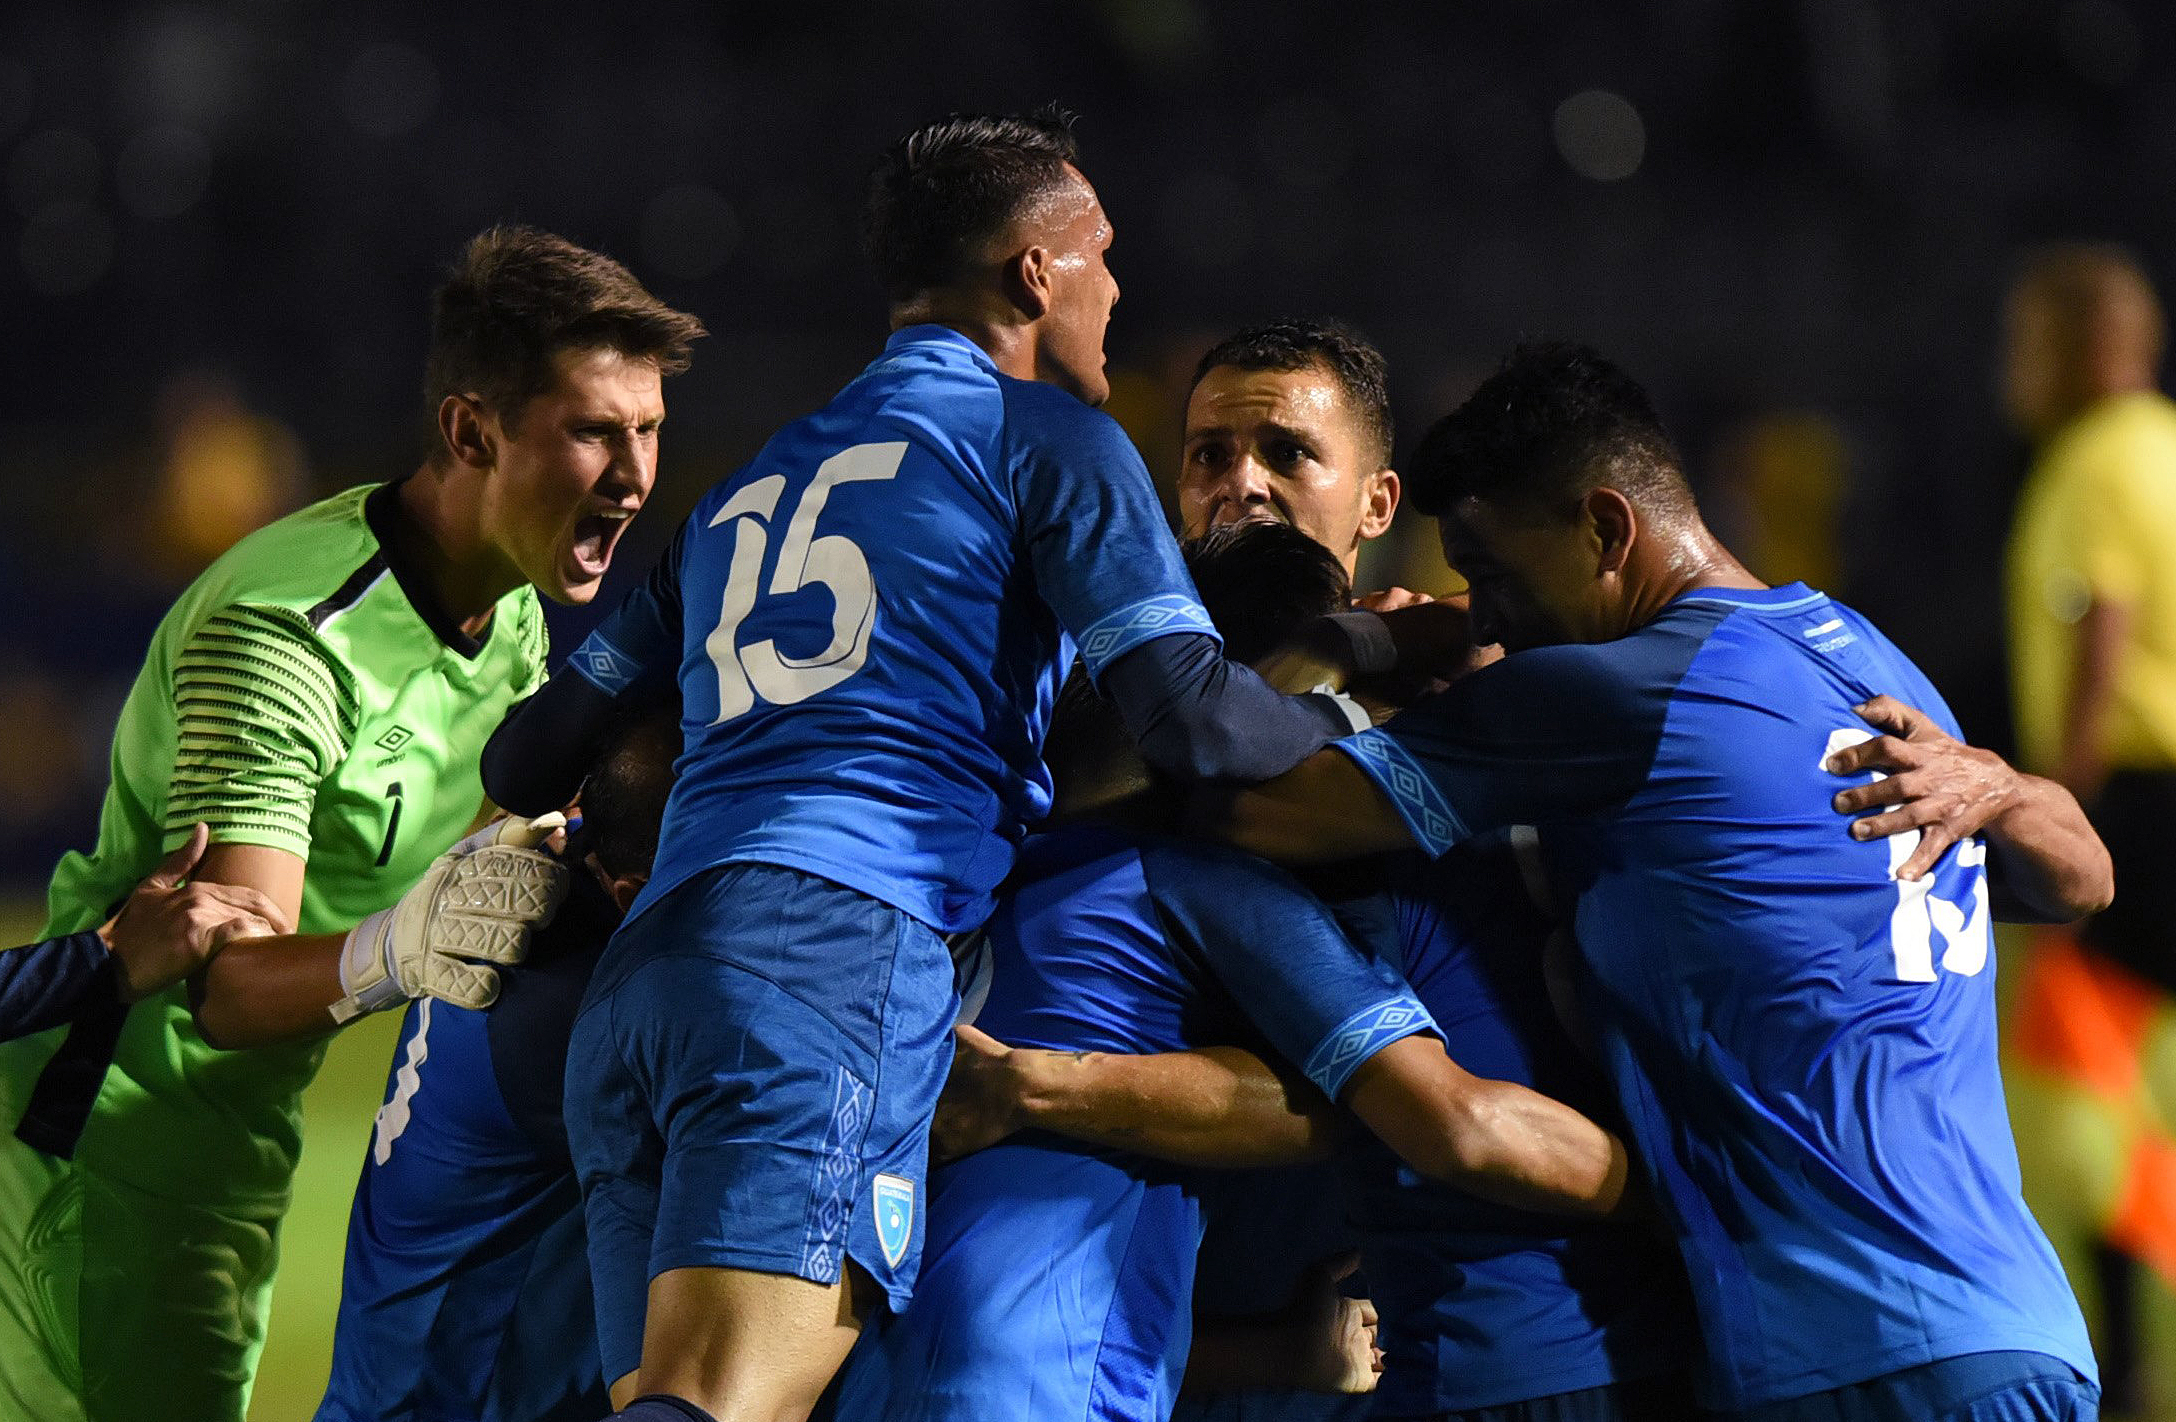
point(894, 1216)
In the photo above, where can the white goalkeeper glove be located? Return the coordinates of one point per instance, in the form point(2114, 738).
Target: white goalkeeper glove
point(473, 908)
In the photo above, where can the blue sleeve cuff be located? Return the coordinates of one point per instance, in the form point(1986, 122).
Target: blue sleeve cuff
point(1434, 825)
point(1331, 1065)
point(1117, 633)
point(43, 985)
point(603, 665)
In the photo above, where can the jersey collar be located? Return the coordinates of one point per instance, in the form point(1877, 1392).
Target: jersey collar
point(1780, 599)
point(930, 333)
point(396, 545)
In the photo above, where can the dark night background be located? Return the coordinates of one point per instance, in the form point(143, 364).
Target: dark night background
point(1793, 220)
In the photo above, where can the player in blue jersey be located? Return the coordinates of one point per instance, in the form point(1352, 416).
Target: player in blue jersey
point(1798, 1024)
point(1288, 421)
point(868, 622)
point(465, 1290)
point(1491, 1314)
point(1113, 941)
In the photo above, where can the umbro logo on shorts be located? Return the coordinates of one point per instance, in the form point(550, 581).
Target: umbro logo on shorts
point(394, 739)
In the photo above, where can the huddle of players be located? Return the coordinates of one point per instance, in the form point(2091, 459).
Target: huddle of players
point(1794, 1023)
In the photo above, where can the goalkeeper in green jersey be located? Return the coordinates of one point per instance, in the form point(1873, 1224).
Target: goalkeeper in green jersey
point(319, 698)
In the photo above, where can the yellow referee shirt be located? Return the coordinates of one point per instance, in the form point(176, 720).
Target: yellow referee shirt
point(2098, 522)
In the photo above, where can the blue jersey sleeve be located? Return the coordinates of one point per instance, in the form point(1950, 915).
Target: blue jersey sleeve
point(535, 760)
point(45, 984)
point(641, 638)
point(1094, 530)
point(1277, 950)
point(1549, 734)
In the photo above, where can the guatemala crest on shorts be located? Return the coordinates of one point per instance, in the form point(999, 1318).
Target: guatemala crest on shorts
point(894, 1216)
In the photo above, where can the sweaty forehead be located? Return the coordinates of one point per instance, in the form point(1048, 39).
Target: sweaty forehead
point(1068, 209)
point(1308, 399)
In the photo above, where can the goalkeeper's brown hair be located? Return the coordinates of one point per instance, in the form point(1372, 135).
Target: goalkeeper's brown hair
point(517, 298)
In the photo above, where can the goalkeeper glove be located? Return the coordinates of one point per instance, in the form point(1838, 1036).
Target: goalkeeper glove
point(474, 907)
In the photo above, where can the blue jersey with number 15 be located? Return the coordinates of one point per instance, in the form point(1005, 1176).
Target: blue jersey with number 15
point(870, 621)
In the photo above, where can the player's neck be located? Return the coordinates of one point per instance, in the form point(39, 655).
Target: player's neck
point(1009, 348)
point(1008, 343)
point(467, 574)
point(1688, 560)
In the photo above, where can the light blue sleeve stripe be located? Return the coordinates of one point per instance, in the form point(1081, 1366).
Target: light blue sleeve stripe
point(1435, 826)
point(1117, 633)
point(609, 668)
point(1331, 1064)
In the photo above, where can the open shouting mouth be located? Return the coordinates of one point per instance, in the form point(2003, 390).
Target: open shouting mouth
point(595, 536)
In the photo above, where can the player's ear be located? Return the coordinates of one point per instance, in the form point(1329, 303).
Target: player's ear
point(1615, 524)
point(1027, 281)
point(620, 888)
point(624, 888)
point(463, 429)
point(1382, 503)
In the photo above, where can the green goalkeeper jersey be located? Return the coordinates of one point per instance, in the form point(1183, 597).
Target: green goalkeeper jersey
point(303, 694)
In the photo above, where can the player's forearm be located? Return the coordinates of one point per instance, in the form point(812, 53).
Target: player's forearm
point(535, 760)
point(261, 992)
point(1494, 1139)
point(1198, 717)
point(1217, 1106)
point(1521, 1148)
point(2053, 865)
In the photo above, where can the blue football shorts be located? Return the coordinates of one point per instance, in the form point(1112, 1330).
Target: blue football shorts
point(1977, 1387)
point(1664, 1398)
point(750, 1085)
point(1057, 1287)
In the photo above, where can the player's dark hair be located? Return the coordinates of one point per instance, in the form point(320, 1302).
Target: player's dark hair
point(1554, 423)
point(1260, 581)
point(517, 297)
point(1292, 344)
point(941, 195)
point(623, 800)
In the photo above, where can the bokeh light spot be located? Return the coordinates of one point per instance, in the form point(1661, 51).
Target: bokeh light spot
point(1600, 135)
point(689, 231)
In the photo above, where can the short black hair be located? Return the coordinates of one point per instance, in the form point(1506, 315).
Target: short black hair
point(943, 193)
point(517, 297)
point(1294, 344)
point(1555, 422)
point(1261, 581)
point(623, 800)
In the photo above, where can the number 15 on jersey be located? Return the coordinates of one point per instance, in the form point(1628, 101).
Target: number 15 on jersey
point(760, 670)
